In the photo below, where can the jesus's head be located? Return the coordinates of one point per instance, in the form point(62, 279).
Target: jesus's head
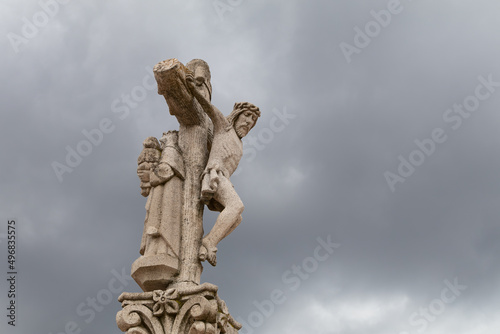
point(243, 118)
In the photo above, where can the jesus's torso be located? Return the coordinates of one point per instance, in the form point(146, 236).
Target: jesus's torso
point(226, 152)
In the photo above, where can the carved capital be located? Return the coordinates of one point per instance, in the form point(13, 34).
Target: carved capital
point(195, 309)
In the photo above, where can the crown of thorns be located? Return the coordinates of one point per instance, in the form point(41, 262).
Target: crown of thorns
point(239, 108)
point(247, 106)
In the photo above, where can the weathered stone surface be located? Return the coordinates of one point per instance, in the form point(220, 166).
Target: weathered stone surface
point(147, 161)
point(160, 244)
point(225, 155)
point(176, 310)
point(155, 272)
point(180, 174)
point(191, 167)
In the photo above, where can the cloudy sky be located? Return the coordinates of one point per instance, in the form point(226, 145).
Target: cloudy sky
point(370, 182)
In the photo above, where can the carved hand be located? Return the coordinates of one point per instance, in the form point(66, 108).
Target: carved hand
point(161, 174)
point(196, 93)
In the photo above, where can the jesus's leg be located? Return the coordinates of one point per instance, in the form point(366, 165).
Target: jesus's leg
point(227, 221)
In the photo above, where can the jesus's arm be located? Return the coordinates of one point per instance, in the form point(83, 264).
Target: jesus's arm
point(218, 119)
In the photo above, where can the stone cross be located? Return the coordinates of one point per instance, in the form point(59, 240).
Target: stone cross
point(180, 173)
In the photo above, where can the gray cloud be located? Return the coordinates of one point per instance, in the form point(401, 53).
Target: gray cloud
point(322, 174)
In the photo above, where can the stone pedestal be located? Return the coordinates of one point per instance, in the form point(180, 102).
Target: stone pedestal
point(191, 309)
point(154, 272)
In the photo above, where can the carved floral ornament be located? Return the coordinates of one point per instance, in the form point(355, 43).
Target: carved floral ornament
point(165, 301)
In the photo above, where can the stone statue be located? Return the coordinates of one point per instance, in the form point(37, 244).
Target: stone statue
point(161, 171)
point(225, 155)
point(179, 174)
point(147, 160)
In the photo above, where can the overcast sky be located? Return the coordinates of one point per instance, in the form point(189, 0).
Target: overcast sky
point(378, 137)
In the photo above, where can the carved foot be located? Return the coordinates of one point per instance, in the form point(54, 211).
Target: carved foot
point(208, 253)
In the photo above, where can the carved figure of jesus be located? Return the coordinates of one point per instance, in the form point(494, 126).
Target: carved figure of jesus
point(225, 155)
